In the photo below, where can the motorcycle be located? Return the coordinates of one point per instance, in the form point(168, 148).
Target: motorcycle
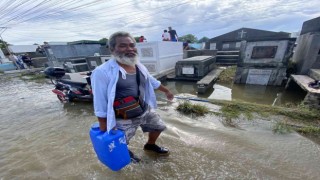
point(68, 90)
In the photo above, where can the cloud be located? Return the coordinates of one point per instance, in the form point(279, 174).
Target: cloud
point(71, 20)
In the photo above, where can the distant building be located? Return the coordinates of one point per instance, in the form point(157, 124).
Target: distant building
point(232, 40)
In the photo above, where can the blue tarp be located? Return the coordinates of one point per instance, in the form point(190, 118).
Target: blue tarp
point(7, 67)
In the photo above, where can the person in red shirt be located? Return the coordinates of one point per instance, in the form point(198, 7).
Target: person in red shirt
point(142, 39)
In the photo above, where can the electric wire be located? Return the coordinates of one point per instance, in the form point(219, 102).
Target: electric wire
point(82, 27)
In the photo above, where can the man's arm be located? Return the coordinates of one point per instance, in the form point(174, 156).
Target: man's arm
point(100, 97)
point(102, 123)
point(166, 91)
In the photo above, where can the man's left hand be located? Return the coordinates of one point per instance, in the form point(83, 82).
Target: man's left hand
point(169, 95)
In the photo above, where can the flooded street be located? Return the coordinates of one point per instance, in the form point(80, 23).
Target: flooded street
point(44, 139)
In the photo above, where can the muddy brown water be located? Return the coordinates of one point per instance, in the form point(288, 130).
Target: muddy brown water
point(44, 139)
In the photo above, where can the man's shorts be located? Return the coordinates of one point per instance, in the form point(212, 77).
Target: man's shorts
point(149, 121)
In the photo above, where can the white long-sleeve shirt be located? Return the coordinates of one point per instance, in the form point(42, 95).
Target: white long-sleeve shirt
point(104, 81)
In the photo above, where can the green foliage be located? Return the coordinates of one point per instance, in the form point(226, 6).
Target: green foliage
point(103, 41)
point(187, 107)
point(281, 128)
point(137, 38)
point(234, 108)
point(228, 74)
point(3, 44)
point(30, 76)
point(309, 130)
point(299, 113)
point(189, 37)
point(203, 39)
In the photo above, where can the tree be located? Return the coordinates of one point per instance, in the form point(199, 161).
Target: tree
point(4, 47)
point(103, 41)
point(137, 38)
point(204, 39)
point(3, 44)
point(188, 37)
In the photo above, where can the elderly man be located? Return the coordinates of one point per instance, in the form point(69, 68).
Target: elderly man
point(114, 84)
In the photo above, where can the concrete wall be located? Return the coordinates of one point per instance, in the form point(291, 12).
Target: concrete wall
point(279, 57)
point(67, 51)
point(260, 76)
point(307, 53)
point(312, 25)
point(312, 100)
point(263, 71)
point(39, 62)
point(230, 46)
point(203, 52)
point(160, 56)
point(57, 54)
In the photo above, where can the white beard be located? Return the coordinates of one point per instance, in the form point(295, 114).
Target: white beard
point(130, 61)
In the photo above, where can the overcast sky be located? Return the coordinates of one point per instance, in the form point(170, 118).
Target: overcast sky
point(36, 21)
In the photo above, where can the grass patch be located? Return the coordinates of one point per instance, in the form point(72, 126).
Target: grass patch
point(234, 109)
point(33, 77)
point(308, 130)
point(187, 107)
point(281, 128)
point(299, 118)
point(228, 74)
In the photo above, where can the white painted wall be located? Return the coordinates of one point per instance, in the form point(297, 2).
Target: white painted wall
point(160, 56)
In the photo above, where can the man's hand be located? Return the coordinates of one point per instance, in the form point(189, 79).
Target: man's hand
point(167, 92)
point(102, 124)
point(169, 95)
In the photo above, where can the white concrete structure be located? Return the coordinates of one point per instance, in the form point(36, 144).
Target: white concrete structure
point(160, 56)
point(23, 48)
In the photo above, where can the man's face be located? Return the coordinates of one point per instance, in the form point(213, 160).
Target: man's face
point(125, 51)
point(125, 47)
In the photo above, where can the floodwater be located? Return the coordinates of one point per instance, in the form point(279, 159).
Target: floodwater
point(269, 95)
point(44, 139)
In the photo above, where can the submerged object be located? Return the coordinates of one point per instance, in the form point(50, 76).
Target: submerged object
point(111, 149)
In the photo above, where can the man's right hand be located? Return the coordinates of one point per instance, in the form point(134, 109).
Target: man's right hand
point(102, 124)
